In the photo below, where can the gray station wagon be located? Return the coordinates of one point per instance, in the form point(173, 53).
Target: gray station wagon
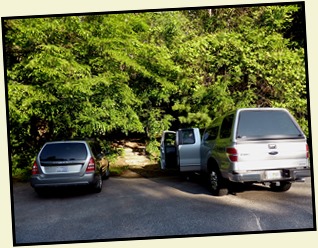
point(68, 163)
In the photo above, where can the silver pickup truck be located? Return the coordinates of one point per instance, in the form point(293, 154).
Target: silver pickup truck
point(251, 145)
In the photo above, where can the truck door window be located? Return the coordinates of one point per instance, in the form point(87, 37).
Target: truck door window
point(170, 139)
point(187, 137)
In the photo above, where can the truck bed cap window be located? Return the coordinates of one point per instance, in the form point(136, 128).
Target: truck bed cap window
point(266, 124)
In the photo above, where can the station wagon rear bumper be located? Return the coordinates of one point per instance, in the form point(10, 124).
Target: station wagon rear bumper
point(38, 181)
point(270, 175)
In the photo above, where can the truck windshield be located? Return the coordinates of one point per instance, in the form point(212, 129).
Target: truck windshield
point(265, 124)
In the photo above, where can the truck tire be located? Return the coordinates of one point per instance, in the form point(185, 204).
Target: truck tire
point(282, 187)
point(216, 183)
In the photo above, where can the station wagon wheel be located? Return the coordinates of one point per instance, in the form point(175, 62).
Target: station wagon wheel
point(216, 183)
point(107, 172)
point(99, 184)
point(40, 192)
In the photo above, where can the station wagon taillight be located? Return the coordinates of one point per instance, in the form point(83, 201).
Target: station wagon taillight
point(91, 165)
point(35, 169)
point(232, 154)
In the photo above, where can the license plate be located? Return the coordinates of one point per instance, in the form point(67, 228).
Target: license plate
point(272, 175)
point(62, 169)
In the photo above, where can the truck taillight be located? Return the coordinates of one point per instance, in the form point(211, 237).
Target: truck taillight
point(91, 165)
point(35, 169)
point(232, 154)
point(307, 151)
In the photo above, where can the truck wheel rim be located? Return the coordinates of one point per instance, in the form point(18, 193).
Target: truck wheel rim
point(213, 180)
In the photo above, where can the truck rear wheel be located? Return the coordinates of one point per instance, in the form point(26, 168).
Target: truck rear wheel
point(216, 183)
point(281, 187)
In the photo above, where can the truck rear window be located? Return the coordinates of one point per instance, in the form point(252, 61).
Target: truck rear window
point(63, 152)
point(266, 124)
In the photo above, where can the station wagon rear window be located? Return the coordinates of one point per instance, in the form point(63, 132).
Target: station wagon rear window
point(63, 152)
point(266, 124)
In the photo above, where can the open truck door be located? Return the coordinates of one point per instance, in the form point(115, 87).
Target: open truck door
point(188, 149)
point(168, 150)
point(181, 150)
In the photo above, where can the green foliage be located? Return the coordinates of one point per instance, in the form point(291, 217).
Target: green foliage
point(79, 77)
point(244, 65)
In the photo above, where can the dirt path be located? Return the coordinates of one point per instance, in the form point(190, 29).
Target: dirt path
point(137, 163)
point(134, 157)
point(135, 154)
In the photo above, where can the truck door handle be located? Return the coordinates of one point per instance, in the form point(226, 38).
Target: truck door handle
point(273, 153)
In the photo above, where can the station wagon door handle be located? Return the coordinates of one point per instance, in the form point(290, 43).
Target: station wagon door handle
point(273, 153)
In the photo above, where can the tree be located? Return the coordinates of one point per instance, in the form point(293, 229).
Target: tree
point(95, 75)
point(243, 62)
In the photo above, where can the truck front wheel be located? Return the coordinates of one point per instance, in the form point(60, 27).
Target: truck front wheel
point(216, 183)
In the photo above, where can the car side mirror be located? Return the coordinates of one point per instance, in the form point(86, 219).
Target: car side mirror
point(106, 152)
point(99, 156)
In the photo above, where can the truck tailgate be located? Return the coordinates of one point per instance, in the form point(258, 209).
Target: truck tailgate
point(271, 154)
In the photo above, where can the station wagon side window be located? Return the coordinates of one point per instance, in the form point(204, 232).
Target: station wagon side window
point(226, 127)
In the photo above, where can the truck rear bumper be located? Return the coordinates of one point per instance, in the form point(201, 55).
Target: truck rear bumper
point(270, 175)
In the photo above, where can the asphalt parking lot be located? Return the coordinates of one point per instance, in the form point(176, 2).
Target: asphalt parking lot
point(138, 208)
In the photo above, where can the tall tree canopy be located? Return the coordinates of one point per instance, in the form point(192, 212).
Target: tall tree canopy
point(89, 76)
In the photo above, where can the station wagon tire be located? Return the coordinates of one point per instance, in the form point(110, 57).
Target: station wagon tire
point(97, 188)
point(283, 187)
point(40, 192)
point(216, 183)
point(107, 173)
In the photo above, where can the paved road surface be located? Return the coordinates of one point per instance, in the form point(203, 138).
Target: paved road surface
point(132, 208)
